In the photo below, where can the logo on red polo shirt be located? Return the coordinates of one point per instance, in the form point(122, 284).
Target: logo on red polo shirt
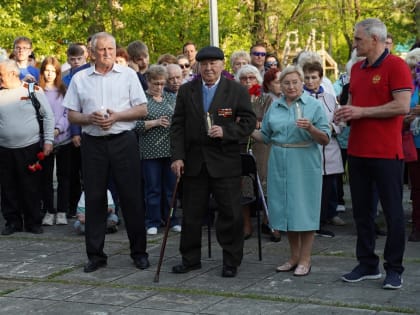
point(376, 79)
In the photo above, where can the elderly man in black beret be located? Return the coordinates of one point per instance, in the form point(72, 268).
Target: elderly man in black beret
point(211, 115)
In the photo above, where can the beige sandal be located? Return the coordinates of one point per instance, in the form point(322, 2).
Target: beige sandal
point(286, 267)
point(302, 270)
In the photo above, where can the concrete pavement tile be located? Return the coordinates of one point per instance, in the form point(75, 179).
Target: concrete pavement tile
point(257, 270)
point(145, 278)
point(327, 310)
point(213, 281)
point(67, 258)
point(46, 246)
point(234, 306)
point(178, 302)
point(11, 243)
point(412, 249)
point(368, 292)
point(50, 291)
point(106, 274)
point(283, 284)
point(19, 306)
point(10, 285)
point(71, 308)
point(27, 270)
point(19, 255)
point(144, 311)
point(111, 296)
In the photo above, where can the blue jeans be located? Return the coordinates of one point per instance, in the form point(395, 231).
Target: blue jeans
point(159, 182)
point(386, 174)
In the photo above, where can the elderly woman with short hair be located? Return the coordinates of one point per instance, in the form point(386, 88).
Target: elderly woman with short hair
point(249, 76)
point(295, 125)
point(238, 59)
point(154, 142)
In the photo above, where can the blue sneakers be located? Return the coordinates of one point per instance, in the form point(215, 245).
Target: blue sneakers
point(360, 273)
point(392, 280)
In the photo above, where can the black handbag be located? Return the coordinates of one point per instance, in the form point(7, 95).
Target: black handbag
point(37, 105)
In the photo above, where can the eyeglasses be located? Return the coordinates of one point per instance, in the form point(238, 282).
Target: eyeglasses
point(184, 66)
point(258, 54)
point(272, 63)
point(250, 78)
point(22, 48)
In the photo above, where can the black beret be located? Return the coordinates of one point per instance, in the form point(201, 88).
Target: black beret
point(209, 52)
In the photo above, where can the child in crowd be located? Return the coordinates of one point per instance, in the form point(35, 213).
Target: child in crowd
point(112, 221)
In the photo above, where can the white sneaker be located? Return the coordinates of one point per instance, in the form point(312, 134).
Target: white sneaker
point(152, 231)
point(176, 228)
point(48, 219)
point(61, 218)
point(337, 221)
point(341, 208)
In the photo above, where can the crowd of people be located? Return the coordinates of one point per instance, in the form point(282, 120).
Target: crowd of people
point(121, 131)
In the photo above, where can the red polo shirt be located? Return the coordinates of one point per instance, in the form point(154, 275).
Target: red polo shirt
point(373, 86)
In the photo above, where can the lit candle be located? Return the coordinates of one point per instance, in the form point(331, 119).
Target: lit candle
point(208, 121)
point(298, 111)
point(341, 123)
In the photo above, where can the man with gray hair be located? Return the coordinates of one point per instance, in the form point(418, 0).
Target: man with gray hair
point(21, 150)
point(174, 80)
point(379, 96)
point(106, 100)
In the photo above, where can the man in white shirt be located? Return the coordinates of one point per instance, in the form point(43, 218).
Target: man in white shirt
point(106, 100)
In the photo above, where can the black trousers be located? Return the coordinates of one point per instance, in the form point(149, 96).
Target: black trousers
point(387, 175)
point(229, 222)
point(20, 188)
point(75, 179)
point(117, 155)
point(62, 156)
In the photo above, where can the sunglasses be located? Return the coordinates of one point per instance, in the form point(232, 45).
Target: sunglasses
point(258, 54)
point(184, 66)
point(270, 64)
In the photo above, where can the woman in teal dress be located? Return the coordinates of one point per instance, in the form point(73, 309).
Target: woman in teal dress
point(295, 125)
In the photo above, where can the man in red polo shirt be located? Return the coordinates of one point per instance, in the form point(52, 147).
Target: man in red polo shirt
point(380, 91)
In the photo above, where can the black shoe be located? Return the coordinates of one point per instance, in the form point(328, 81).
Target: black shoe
point(92, 266)
point(34, 229)
point(142, 262)
point(229, 271)
point(324, 233)
point(181, 268)
point(275, 236)
point(10, 229)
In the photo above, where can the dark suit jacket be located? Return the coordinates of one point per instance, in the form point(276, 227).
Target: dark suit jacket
point(231, 109)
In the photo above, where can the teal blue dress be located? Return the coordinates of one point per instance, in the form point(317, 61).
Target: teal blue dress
point(294, 181)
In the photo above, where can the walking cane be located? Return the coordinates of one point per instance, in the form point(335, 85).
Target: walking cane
point(264, 203)
point(165, 236)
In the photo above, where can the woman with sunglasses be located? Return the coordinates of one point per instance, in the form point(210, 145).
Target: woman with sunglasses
point(271, 62)
point(185, 67)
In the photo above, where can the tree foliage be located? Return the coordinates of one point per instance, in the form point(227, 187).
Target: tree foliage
point(165, 25)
